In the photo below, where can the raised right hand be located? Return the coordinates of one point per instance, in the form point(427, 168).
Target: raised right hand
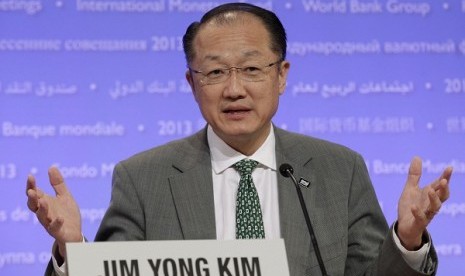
point(58, 214)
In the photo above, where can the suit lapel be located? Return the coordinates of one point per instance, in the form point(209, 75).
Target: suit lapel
point(292, 222)
point(192, 189)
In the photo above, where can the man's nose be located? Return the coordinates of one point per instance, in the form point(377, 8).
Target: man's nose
point(234, 84)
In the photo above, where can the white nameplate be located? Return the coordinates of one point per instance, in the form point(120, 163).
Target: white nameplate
point(178, 258)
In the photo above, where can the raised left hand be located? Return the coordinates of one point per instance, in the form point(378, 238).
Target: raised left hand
point(418, 206)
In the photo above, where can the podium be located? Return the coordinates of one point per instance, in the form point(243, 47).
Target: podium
point(178, 258)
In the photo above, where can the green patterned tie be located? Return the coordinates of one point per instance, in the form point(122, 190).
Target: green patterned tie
point(249, 221)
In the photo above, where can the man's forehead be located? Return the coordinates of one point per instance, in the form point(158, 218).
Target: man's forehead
point(236, 25)
point(246, 54)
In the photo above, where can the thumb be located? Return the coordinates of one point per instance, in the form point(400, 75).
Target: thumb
point(414, 172)
point(57, 181)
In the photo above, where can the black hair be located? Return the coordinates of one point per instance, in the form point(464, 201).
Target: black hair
point(269, 19)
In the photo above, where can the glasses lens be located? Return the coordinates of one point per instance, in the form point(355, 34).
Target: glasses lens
point(249, 73)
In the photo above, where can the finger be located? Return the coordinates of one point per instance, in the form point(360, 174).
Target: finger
point(447, 173)
point(30, 183)
point(57, 181)
point(435, 204)
point(43, 213)
point(441, 187)
point(31, 193)
point(445, 177)
point(442, 190)
point(32, 200)
point(414, 172)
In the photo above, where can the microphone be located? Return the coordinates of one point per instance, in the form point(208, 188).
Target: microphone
point(286, 170)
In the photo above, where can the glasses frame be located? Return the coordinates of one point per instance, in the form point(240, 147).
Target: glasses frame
point(206, 81)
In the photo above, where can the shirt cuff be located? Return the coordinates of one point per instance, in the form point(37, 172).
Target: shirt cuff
point(416, 259)
point(59, 270)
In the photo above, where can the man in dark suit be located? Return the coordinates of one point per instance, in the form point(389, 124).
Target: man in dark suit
point(187, 189)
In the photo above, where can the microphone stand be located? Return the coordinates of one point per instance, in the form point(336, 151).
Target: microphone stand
point(287, 171)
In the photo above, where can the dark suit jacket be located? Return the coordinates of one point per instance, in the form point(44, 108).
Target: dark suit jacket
point(166, 193)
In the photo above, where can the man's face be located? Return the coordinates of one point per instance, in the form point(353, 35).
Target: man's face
point(238, 110)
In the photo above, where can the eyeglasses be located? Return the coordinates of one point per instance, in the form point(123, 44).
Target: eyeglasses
point(249, 73)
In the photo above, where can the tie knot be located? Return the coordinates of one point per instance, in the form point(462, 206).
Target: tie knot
point(245, 166)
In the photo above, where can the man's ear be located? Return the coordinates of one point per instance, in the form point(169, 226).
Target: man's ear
point(282, 75)
point(190, 80)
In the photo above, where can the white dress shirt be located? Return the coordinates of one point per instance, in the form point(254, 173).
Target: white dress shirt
point(226, 182)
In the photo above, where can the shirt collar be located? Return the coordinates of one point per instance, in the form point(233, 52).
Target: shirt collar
point(223, 156)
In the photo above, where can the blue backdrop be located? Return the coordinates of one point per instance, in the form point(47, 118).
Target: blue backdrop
point(86, 83)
